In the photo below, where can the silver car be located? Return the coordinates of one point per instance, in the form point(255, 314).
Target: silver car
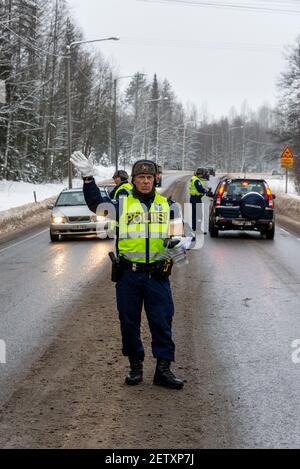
point(71, 216)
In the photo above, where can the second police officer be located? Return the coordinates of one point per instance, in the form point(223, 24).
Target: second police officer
point(197, 191)
point(122, 186)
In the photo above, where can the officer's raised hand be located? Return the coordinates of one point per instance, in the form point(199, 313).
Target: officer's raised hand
point(83, 164)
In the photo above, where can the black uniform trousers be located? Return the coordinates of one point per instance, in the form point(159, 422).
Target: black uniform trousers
point(134, 290)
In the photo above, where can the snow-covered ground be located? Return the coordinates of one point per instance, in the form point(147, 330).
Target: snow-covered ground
point(15, 194)
point(278, 185)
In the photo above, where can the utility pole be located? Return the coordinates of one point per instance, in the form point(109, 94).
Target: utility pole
point(115, 126)
point(69, 115)
point(183, 146)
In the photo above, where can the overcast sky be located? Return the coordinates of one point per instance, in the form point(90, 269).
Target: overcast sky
point(216, 56)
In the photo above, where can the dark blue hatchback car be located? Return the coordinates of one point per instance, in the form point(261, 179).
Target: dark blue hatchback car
point(242, 204)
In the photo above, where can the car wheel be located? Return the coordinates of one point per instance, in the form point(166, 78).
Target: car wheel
point(54, 237)
point(213, 231)
point(270, 233)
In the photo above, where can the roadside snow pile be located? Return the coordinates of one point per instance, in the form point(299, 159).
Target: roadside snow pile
point(26, 215)
point(16, 194)
point(17, 206)
point(288, 205)
point(278, 185)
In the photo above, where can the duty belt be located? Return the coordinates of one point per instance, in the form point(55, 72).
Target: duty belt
point(141, 267)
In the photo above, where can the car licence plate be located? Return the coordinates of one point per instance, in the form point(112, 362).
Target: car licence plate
point(79, 227)
point(241, 223)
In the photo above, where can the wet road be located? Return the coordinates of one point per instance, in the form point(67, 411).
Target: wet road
point(39, 280)
point(248, 291)
point(237, 315)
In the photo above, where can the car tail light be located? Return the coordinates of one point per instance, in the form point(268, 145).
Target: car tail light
point(219, 195)
point(270, 198)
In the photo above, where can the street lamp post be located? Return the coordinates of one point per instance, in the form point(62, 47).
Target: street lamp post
point(68, 92)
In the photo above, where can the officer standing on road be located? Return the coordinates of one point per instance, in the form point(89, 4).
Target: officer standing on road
point(141, 268)
point(123, 187)
point(197, 191)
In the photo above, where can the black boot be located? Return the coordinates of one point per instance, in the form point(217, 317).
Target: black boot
point(164, 376)
point(135, 375)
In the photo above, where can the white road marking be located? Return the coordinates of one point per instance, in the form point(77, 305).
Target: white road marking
point(285, 231)
point(24, 240)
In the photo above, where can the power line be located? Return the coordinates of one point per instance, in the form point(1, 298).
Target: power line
point(280, 7)
point(30, 46)
point(162, 42)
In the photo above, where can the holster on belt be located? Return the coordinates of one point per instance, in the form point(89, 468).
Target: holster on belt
point(116, 269)
point(163, 269)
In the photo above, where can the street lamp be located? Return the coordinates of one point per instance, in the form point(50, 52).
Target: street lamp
point(68, 86)
point(161, 98)
point(115, 114)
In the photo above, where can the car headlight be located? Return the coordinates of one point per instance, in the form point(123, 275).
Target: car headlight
point(58, 220)
point(98, 218)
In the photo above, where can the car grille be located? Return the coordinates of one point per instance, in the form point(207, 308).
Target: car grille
point(80, 219)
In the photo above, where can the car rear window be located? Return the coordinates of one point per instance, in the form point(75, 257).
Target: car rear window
point(240, 188)
point(70, 198)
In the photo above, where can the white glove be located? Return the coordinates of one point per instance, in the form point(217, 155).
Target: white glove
point(82, 164)
point(184, 243)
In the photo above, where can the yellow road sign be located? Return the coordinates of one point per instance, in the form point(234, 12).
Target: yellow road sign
point(287, 158)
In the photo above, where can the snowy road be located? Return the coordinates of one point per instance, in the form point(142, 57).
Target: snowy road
point(38, 281)
point(236, 320)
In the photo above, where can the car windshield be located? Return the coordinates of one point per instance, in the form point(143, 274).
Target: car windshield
point(70, 199)
point(240, 188)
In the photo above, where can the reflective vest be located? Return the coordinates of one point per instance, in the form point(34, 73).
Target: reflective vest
point(142, 232)
point(127, 186)
point(192, 188)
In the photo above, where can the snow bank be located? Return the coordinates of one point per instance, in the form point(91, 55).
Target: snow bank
point(16, 194)
point(26, 215)
point(288, 205)
point(17, 206)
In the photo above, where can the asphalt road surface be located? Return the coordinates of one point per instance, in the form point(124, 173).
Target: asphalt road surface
point(237, 315)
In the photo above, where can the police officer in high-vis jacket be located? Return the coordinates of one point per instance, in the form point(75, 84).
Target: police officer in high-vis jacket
point(197, 191)
point(143, 270)
point(123, 187)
